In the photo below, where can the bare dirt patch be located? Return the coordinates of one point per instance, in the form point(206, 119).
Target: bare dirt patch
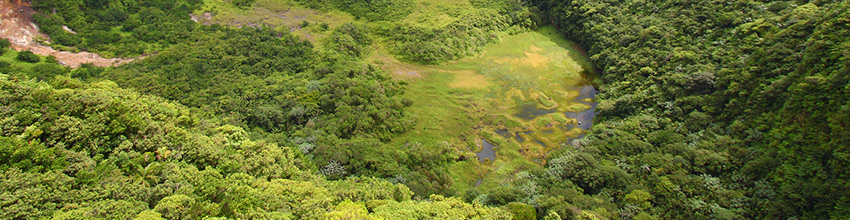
point(17, 26)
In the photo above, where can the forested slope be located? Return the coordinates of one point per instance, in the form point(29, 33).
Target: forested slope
point(115, 28)
point(220, 122)
point(73, 150)
point(738, 106)
point(708, 110)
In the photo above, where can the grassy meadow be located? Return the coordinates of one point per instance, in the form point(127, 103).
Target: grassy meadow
point(461, 102)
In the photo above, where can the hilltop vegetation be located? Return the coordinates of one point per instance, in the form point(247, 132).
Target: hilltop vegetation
point(707, 110)
point(95, 151)
point(741, 107)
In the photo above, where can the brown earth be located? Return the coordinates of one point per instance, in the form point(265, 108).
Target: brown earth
point(17, 26)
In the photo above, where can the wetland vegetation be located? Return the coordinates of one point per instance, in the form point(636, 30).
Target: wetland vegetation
point(430, 109)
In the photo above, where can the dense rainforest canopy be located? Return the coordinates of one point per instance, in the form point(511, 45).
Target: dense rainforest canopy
point(734, 109)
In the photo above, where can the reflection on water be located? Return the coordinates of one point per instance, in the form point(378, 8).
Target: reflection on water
point(487, 151)
point(580, 136)
point(538, 85)
point(586, 92)
point(540, 143)
point(585, 118)
point(530, 111)
point(518, 138)
point(503, 133)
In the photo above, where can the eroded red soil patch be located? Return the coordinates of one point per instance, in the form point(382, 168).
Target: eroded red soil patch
point(17, 26)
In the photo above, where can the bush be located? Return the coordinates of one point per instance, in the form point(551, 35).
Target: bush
point(350, 39)
point(778, 6)
point(175, 207)
point(522, 211)
point(4, 45)
point(28, 56)
point(46, 71)
point(243, 4)
point(51, 59)
point(376, 10)
point(66, 39)
point(700, 82)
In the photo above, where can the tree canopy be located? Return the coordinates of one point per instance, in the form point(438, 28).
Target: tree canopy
point(707, 110)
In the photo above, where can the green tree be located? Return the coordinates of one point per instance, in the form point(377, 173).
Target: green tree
point(28, 56)
point(104, 209)
point(30, 156)
point(438, 207)
point(243, 4)
point(146, 175)
point(149, 215)
point(4, 45)
point(522, 211)
point(175, 207)
point(349, 210)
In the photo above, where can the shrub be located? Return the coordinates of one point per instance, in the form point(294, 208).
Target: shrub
point(28, 56)
point(51, 59)
point(4, 45)
point(243, 4)
point(522, 211)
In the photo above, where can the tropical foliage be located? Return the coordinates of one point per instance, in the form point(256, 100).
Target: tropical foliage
point(708, 110)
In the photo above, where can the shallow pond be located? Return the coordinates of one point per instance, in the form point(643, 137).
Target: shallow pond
point(534, 86)
point(512, 104)
point(585, 117)
point(530, 111)
point(487, 151)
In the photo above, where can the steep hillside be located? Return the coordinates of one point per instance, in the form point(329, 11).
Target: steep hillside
point(426, 109)
point(740, 106)
point(19, 29)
